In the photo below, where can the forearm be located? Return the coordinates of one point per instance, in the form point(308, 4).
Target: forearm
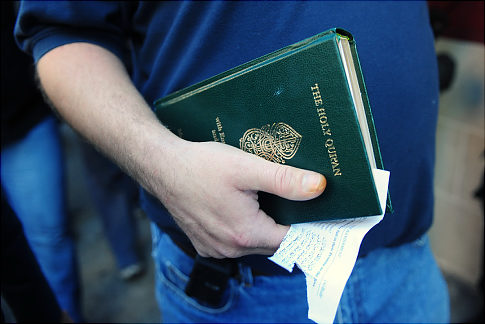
point(209, 188)
point(90, 88)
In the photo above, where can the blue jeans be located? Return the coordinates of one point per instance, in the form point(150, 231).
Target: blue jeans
point(32, 172)
point(401, 284)
point(115, 196)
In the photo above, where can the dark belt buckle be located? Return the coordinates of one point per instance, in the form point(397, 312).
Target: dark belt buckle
point(208, 280)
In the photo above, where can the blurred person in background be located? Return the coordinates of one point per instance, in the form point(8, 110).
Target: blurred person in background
point(24, 288)
point(115, 196)
point(33, 179)
point(32, 169)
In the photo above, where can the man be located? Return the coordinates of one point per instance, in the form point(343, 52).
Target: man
point(210, 189)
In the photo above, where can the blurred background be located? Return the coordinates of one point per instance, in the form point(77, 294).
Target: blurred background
point(456, 235)
point(106, 297)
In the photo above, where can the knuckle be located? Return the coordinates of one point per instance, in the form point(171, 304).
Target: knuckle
point(282, 178)
point(206, 254)
point(237, 244)
point(201, 251)
point(242, 240)
point(228, 252)
point(216, 256)
point(232, 254)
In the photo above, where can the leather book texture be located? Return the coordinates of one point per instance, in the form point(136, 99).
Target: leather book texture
point(293, 107)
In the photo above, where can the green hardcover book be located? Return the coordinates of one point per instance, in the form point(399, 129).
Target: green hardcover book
point(304, 105)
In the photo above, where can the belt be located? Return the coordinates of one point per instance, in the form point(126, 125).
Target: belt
point(187, 249)
point(260, 265)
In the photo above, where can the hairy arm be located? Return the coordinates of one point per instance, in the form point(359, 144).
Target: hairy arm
point(209, 188)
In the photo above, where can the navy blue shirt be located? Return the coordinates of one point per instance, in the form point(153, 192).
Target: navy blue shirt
point(22, 104)
point(171, 45)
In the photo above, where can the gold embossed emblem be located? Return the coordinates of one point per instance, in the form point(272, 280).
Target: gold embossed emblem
point(277, 142)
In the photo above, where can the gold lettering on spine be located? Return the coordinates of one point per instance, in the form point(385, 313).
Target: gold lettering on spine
point(323, 119)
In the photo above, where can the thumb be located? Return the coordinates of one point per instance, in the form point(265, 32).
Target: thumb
point(286, 181)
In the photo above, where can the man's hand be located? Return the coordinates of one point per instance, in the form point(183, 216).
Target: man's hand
point(209, 188)
point(213, 197)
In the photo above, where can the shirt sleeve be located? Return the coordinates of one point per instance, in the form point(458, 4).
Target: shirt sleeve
point(44, 25)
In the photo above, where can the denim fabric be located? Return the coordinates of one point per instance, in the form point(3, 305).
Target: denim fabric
point(115, 196)
point(400, 284)
point(32, 179)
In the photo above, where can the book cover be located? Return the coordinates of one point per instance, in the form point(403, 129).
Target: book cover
point(293, 107)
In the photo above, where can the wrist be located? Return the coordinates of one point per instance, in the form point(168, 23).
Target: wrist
point(158, 156)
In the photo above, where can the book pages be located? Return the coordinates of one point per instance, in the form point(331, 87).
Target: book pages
point(326, 252)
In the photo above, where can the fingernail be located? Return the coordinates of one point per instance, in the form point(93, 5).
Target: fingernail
point(313, 182)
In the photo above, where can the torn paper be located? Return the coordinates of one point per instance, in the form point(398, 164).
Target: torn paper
point(326, 253)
